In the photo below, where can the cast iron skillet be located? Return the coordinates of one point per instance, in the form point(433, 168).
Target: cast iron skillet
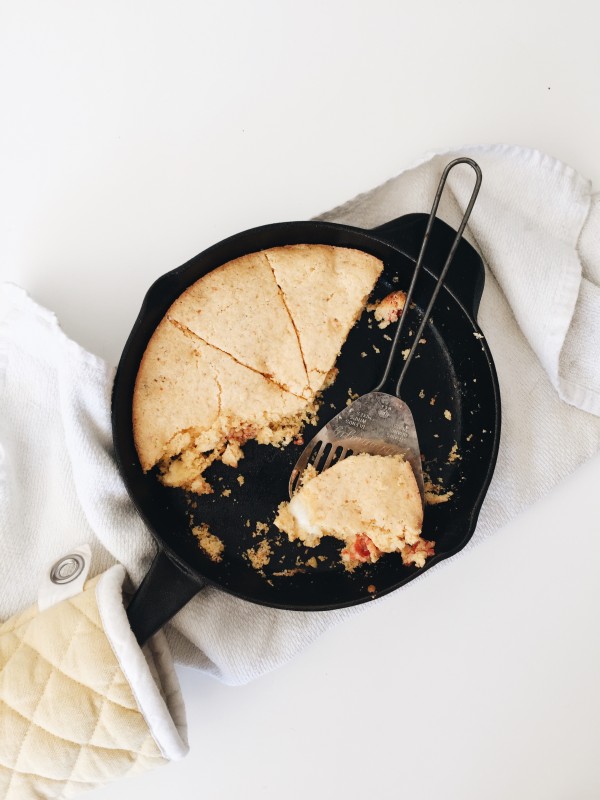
point(452, 372)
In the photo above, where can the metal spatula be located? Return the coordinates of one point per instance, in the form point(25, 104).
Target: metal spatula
point(381, 423)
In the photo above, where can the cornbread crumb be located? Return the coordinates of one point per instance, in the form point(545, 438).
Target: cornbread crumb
point(371, 589)
point(260, 555)
point(232, 454)
point(208, 542)
point(469, 437)
point(389, 338)
point(435, 494)
point(240, 480)
point(261, 529)
point(478, 335)
point(312, 562)
point(422, 341)
point(405, 353)
point(447, 414)
point(288, 573)
point(363, 354)
point(432, 401)
point(390, 308)
point(454, 454)
point(226, 492)
point(422, 393)
point(376, 349)
point(432, 499)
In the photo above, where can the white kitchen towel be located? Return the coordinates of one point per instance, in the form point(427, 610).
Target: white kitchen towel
point(537, 225)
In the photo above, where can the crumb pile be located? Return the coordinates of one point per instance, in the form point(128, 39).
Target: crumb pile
point(370, 502)
point(208, 542)
point(242, 354)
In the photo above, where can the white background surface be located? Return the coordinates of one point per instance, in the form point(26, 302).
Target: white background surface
point(132, 136)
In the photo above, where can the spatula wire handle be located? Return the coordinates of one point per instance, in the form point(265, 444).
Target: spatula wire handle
point(440, 280)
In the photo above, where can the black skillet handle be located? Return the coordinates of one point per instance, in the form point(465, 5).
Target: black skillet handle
point(163, 592)
point(467, 275)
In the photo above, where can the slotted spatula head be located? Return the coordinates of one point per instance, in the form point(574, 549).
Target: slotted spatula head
point(377, 423)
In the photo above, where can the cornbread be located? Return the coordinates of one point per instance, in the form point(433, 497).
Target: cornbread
point(226, 364)
point(370, 502)
point(390, 309)
point(454, 455)
point(208, 542)
point(325, 290)
point(171, 372)
point(260, 555)
point(238, 309)
point(193, 403)
point(435, 493)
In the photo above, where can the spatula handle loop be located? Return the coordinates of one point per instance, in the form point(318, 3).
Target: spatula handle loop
point(407, 306)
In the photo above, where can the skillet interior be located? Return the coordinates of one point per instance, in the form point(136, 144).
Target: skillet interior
point(453, 368)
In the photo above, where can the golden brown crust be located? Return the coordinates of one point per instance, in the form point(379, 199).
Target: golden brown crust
point(238, 309)
point(372, 503)
point(175, 390)
point(185, 417)
point(325, 289)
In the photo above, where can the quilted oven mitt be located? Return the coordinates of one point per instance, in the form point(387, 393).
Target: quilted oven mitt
point(80, 703)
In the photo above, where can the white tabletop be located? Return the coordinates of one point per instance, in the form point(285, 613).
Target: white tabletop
point(136, 134)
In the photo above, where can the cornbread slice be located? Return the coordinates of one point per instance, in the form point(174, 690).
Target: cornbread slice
point(175, 390)
point(207, 406)
point(370, 502)
point(325, 289)
point(239, 309)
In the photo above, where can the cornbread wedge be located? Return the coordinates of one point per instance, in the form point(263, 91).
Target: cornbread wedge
point(325, 289)
point(372, 503)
